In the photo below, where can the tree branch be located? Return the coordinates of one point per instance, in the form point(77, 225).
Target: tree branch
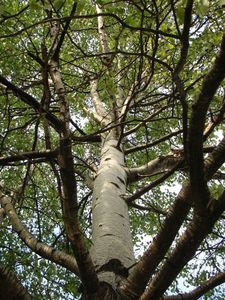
point(195, 144)
point(154, 183)
point(28, 155)
point(100, 110)
point(101, 30)
point(217, 120)
point(92, 16)
point(64, 32)
point(179, 67)
point(135, 128)
point(155, 166)
point(69, 191)
point(145, 268)
point(11, 287)
point(206, 286)
point(32, 102)
point(186, 247)
point(59, 257)
point(151, 144)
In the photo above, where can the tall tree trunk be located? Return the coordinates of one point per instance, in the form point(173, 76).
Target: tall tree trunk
point(112, 249)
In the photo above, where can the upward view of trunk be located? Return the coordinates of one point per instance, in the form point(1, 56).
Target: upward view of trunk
point(112, 150)
point(112, 250)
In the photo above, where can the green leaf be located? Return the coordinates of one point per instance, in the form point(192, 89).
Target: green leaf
point(4, 11)
point(58, 4)
point(35, 5)
point(202, 7)
point(180, 14)
point(180, 11)
point(80, 6)
point(222, 2)
point(132, 21)
point(2, 8)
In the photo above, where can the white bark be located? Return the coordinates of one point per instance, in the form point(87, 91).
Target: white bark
point(101, 30)
point(155, 166)
point(111, 230)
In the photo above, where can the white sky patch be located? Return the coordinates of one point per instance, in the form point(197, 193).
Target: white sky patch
point(171, 189)
point(219, 134)
point(141, 246)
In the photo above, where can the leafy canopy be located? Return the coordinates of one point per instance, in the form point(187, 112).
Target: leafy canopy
point(156, 56)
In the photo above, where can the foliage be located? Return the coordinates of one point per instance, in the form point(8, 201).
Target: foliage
point(156, 58)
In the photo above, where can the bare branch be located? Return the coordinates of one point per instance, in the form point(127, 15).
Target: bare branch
point(147, 119)
point(158, 165)
point(92, 16)
point(151, 144)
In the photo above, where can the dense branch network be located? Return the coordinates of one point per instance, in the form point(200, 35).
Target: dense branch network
point(111, 101)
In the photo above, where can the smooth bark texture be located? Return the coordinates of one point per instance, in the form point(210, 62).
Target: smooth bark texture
point(111, 251)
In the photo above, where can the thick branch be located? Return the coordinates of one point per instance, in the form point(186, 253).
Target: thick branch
point(136, 282)
point(69, 185)
point(209, 87)
point(11, 287)
point(154, 183)
point(215, 159)
point(64, 32)
point(185, 36)
point(179, 67)
point(28, 155)
point(217, 120)
point(101, 30)
point(186, 247)
point(145, 268)
point(32, 102)
point(206, 286)
point(101, 115)
point(155, 166)
point(45, 251)
point(96, 117)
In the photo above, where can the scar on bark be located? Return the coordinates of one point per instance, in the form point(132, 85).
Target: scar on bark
point(114, 265)
point(116, 185)
point(108, 158)
point(122, 216)
point(121, 180)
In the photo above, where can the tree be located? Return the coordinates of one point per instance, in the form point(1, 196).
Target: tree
point(112, 149)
